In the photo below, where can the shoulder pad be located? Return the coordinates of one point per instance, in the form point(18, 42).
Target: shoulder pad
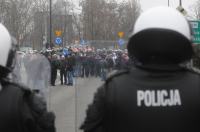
point(19, 85)
point(22, 86)
point(116, 74)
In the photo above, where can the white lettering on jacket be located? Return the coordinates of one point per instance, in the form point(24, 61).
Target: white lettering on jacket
point(158, 98)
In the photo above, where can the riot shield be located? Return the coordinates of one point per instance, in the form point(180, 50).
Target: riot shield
point(33, 70)
point(16, 75)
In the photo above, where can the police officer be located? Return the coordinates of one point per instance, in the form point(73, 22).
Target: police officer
point(20, 109)
point(157, 94)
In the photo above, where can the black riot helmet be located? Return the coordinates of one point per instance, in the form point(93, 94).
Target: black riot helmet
point(161, 35)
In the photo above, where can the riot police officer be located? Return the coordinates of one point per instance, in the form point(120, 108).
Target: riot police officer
point(157, 94)
point(21, 110)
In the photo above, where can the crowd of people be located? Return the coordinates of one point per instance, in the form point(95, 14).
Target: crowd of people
point(156, 94)
point(95, 63)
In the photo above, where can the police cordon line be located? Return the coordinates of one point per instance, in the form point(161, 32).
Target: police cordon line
point(152, 93)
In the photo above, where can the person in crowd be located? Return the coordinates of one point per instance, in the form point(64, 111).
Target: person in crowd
point(54, 67)
point(97, 66)
point(69, 67)
point(104, 68)
point(62, 67)
point(83, 63)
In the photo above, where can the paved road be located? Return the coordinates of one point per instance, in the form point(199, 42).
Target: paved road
point(85, 91)
point(70, 103)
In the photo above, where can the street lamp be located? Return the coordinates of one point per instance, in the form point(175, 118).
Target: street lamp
point(65, 24)
point(50, 21)
point(168, 3)
point(180, 2)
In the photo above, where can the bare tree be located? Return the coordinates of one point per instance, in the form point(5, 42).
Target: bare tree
point(99, 19)
point(196, 10)
point(103, 19)
point(17, 16)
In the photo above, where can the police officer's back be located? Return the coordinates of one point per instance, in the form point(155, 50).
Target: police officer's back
point(157, 94)
point(20, 109)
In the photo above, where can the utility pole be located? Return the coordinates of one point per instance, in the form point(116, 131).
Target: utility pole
point(45, 17)
point(168, 3)
point(50, 29)
point(65, 24)
point(130, 1)
point(50, 22)
point(92, 25)
point(180, 2)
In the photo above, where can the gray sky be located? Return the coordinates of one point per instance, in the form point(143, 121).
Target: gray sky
point(186, 4)
point(146, 4)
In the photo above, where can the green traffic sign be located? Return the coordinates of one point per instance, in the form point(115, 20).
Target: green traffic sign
point(196, 31)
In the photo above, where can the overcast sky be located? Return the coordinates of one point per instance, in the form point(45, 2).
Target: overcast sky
point(186, 4)
point(146, 4)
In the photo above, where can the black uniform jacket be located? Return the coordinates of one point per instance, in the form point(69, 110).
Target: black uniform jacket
point(146, 100)
point(22, 111)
